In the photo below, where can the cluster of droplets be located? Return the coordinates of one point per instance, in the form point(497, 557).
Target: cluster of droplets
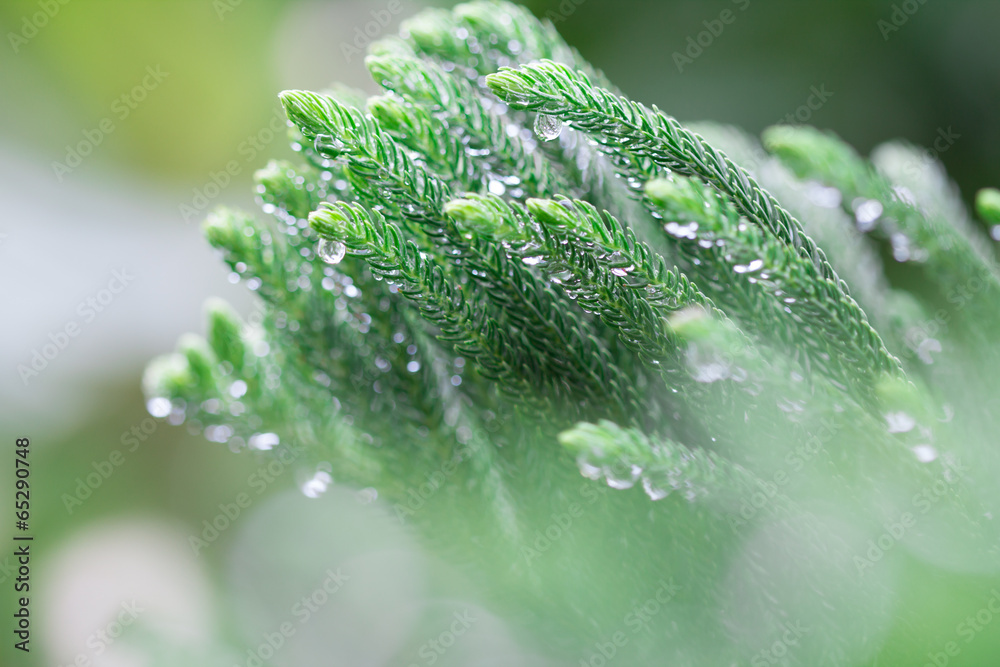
point(658, 481)
point(870, 213)
point(678, 230)
point(917, 436)
point(823, 196)
point(619, 264)
point(867, 213)
point(707, 365)
point(314, 483)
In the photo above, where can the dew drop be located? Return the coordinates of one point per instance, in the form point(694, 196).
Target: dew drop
point(866, 213)
point(331, 252)
point(317, 485)
point(755, 265)
point(903, 249)
point(623, 477)
point(219, 433)
point(925, 453)
point(263, 441)
point(367, 495)
point(823, 196)
point(900, 422)
point(532, 261)
point(327, 146)
point(547, 127)
point(588, 470)
point(237, 389)
point(926, 347)
point(688, 231)
point(654, 490)
point(158, 407)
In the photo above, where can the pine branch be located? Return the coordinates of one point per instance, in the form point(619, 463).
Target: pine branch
point(941, 250)
point(487, 35)
point(486, 135)
point(440, 287)
point(772, 290)
point(515, 37)
point(415, 196)
point(921, 180)
point(461, 317)
point(629, 127)
point(599, 285)
point(598, 264)
point(415, 128)
point(624, 457)
point(893, 313)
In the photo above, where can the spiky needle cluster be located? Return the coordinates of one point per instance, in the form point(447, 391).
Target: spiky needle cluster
point(501, 246)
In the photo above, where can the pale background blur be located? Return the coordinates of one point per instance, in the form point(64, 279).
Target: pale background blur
point(218, 66)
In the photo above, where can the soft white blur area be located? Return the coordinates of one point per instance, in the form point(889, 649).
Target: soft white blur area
point(115, 578)
point(314, 35)
point(780, 560)
point(62, 244)
point(336, 580)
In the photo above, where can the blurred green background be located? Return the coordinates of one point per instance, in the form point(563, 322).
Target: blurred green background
point(174, 104)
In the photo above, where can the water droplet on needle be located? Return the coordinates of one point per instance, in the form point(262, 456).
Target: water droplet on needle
point(547, 127)
point(331, 252)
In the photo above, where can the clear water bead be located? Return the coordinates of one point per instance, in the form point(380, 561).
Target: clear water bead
point(622, 475)
point(654, 490)
point(925, 453)
point(547, 127)
point(331, 252)
point(900, 422)
point(317, 485)
point(264, 441)
point(159, 406)
point(327, 145)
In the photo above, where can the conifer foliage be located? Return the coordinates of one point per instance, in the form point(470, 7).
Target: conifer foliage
point(503, 267)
